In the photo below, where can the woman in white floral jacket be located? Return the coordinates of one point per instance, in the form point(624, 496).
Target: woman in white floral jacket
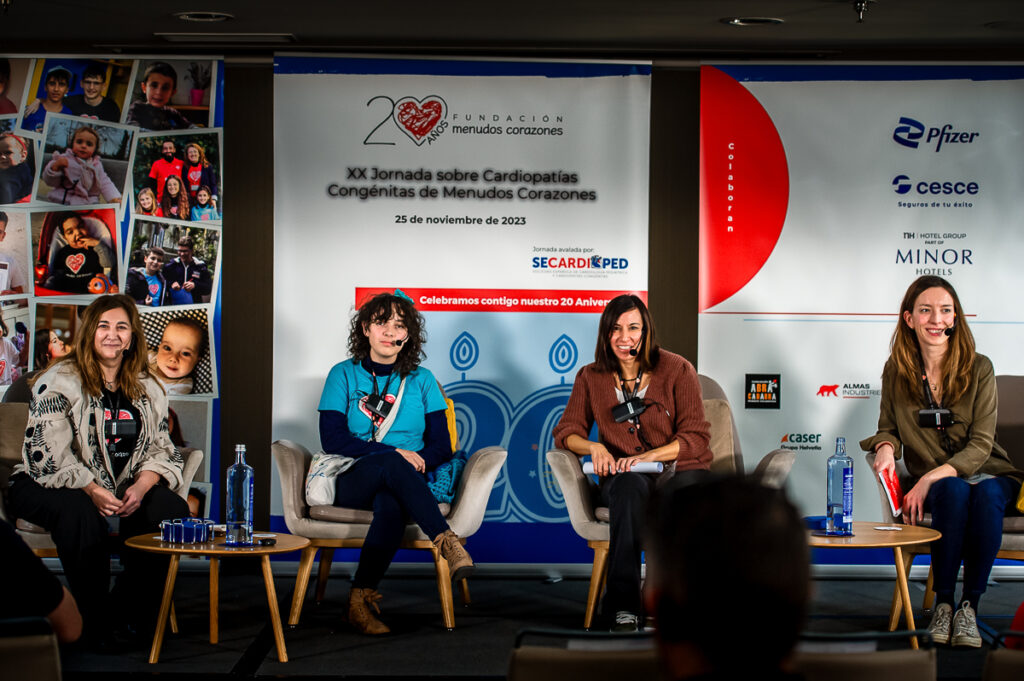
point(98, 466)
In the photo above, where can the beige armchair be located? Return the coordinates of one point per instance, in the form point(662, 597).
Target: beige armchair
point(590, 521)
point(1009, 434)
point(330, 527)
point(13, 419)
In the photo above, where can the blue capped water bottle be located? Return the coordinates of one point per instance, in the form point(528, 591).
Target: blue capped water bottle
point(839, 514)
point(239, 502)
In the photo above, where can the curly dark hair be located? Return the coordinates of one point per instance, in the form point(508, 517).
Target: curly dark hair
point(378, 310)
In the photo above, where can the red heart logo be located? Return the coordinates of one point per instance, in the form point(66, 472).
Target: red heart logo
point(154, 289)
point(373, 417)
point(417, 117)
point(75, 262)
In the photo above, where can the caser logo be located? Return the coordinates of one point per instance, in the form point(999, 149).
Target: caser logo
point(799, 438)
point(903, 184)
point(908, 132)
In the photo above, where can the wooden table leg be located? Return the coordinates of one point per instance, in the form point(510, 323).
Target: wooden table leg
point(901, 579)
point(302, 583)
point(214, 599)
point(275, 614)
point(165, 607)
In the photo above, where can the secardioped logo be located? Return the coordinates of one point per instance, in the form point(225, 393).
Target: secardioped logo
point(421, 120)
point(908, 133)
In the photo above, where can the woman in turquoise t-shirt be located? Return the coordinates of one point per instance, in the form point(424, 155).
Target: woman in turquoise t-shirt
point(385, 411)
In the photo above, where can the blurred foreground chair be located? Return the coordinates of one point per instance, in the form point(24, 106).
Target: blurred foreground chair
point(555, 655)
point(590, 521)
point(1004, 664)
point(331, 527)
point(28, 648)
point(854, 657)
point(1009, 434)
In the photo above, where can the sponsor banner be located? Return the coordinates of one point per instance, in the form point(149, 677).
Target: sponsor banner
point(825, 191)
point(503, 300)
point(508, 199)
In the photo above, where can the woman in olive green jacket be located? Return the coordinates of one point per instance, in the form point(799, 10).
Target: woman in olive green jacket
point(939, 412)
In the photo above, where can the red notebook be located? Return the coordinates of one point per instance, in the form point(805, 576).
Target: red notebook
point(893, 491)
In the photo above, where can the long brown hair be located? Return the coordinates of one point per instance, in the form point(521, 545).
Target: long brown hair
point(82, 354)
point(649, 352)
point(167, 201)
point(378, 310)
point(905, 353)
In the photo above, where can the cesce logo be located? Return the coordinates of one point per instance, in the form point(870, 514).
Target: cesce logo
point(421, 120)
point(908, 132)
point(903, 184)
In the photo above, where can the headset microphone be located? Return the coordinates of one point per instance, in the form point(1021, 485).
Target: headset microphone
point(398, 343)
point(633, 352)
point(951, 329)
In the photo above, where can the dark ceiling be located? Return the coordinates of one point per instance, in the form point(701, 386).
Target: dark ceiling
point(659, 29)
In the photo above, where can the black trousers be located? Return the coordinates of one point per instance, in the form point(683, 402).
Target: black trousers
point(627, 496)
point(84, 546)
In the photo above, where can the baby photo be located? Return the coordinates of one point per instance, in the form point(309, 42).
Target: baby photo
point(17, 167)
point(75, 252)
point(171, 263)
point(179, 350)
point(172, 94)
point(84, 162)
point(178, 175)
point(14, 252)
point(55, 326)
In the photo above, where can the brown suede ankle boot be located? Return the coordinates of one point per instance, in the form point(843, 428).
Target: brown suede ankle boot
point(459, 563)
point(359, 615)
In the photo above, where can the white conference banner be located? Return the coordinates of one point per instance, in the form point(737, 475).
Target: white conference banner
point(825, 191)
point(507, 198)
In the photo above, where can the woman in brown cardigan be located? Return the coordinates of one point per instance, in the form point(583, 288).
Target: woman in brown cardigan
point(962, 477)
point(656, 396)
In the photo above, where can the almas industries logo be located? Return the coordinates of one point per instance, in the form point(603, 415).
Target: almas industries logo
point(422, 120)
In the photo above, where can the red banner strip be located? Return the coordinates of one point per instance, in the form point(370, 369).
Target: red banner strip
point(502, 300)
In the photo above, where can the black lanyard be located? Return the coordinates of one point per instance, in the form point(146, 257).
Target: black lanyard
point(928, 392)
point(626, 393)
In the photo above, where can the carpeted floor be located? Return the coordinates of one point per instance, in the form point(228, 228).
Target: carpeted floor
point(323, 646)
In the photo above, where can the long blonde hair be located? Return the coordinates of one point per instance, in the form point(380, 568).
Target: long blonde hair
point(905, 354)
point(82, 355)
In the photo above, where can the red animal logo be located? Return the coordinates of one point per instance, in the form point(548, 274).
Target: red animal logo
point(827, 390)
point(417, 117)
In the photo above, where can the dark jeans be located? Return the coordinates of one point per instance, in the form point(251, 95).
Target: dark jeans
point(389, 486)
point(970, 518)
point(627, 495)
point(84, 547)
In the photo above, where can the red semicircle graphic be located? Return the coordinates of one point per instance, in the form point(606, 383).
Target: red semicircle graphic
point(744, 186)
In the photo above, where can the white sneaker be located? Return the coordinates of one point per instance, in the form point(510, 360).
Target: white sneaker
point(625, 622)
point(965, 627)
point(939, 626)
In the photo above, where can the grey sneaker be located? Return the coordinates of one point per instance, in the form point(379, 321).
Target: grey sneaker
point(625, 622)
point(965, 627)
point(939, 626)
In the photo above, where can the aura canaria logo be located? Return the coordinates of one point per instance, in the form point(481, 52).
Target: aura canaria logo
point(908, 133)
point(421, 120)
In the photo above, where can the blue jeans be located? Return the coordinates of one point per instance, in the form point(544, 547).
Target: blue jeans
point(970, 518)
point(389, 486)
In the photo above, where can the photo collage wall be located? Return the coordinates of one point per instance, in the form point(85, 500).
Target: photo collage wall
point(111, 180)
